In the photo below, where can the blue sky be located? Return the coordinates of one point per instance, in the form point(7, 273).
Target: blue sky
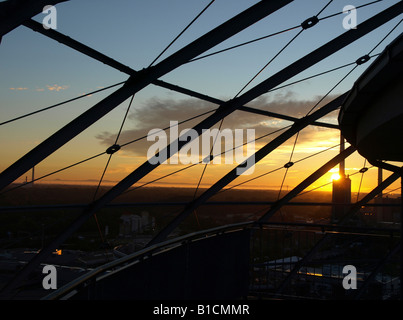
point(37, 72)
point(134, 32)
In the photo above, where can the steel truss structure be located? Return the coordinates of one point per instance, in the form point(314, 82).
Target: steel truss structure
point(18, 12)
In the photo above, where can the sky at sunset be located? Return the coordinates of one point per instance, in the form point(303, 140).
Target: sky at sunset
point(37, 72)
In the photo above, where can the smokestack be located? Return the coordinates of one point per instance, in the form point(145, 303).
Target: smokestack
point(378, 199)
point(342, 171)
point(341, 191)
point(33, 175)
point(380, 178)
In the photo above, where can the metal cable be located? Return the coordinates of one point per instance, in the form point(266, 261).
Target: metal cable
point(318, 74)
point(279, 168)
point(60, 103)
point(387, 35)
point(143, 137)
point(362, 176)
point(105, 169)
point(275, 33)
point(296, 138)
point(204, 169)
point(116, 141)
point(334, 87)
point(278, 53)
point(392, 191)
point(211, 151)
point(223, 190)
point(160, 178)
point(356, 65)
point(52, 173)
point(326, 184)
point(201, 161)
point(93, 157)
point(177, 37)
point(244, 43)
point(286, 169)
point(342, 12)
point(167, 127)
point(323, 9)
point(267, 64)
point(350, 73)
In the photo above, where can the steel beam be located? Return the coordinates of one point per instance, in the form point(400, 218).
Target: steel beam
point(133, 85)
point(285, 117)
point(78, 46)
point(14, 12)
point(136, 83)
point(92, 53)
point(384, 165)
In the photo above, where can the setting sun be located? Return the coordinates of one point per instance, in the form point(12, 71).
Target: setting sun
point(335, 176)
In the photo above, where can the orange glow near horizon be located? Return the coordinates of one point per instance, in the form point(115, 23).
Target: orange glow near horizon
point(189, 179)
point(124, 163)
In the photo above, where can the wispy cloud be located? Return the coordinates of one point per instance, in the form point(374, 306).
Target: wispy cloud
point(157, 113)
point(56, 87)
point(19, 88)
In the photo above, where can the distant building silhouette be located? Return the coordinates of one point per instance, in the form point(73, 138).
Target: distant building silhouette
point(341, 196)
point(134, 223)
point(341, 191)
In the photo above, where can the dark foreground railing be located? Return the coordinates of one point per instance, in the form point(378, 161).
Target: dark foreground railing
point(325, 262)
point(212, 264)
point(251, 260)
